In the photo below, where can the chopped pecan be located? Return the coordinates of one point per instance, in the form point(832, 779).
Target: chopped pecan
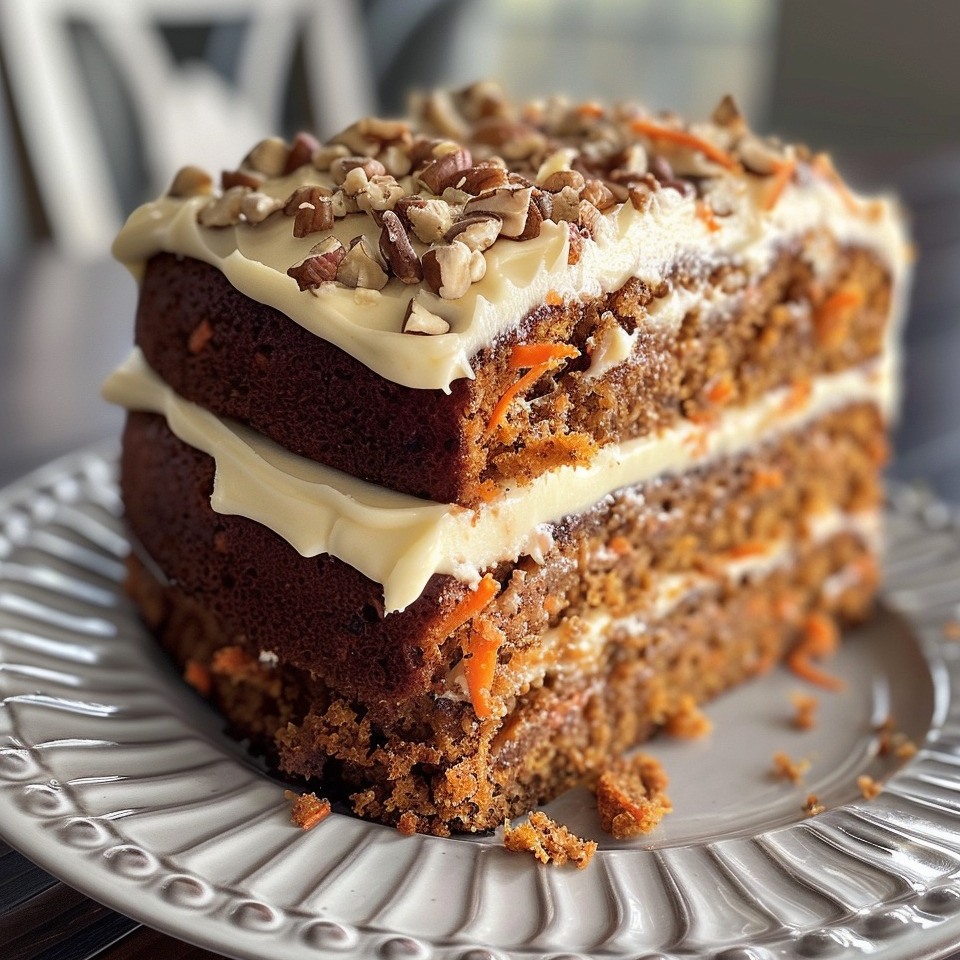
point(240, 178)
point(566, 205)
point(599, 194)
point(396, 159)
point(557, 162)
point(361, 267)
point(268, 157)
point(313, 209)
point(342, 166)
point(321, 266)
point(430, 219)
point(324, 156)
point(397, 251)
point(223, 211)
point(256, 207)
point(381, 193)
point(481, 178)
point(564, 179)
point(447, 269)
point(191, 182)
point(302, 150)
point(371, 134)
point(446, 170)
point(418, 319)
point(478, 232)
point(439, 111)
point(511, 203)
point(531, 229)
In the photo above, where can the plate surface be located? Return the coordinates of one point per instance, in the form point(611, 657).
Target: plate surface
point(116, 778)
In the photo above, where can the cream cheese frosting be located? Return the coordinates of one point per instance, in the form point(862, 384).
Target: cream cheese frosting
point(368, 324)
point(321, 510)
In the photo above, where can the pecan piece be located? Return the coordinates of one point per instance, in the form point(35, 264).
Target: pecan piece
point(321, 266)
point(256, 207)
point(478, 232)
point(446, 170)
point(447, 269)
point(531, 229)
point(563, 179)
point(223, 211)
point(566, 205)
point(511, 203)
point(481, 178)
point(418, 319)
point(430, 219)
point(240, 178)
point(361, 267)
point(341, 167)
point(397, 250)
point(313, 209)
point(599, 194)
point(268, 157)
point(304, 146)
point(191, 181)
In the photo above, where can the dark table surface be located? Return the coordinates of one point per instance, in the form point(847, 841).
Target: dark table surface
point(64, 325)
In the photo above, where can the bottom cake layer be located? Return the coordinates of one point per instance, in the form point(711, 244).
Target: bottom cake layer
point(664, 593)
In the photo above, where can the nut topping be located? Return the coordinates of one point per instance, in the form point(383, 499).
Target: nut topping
point(191, 181)
point(361, 267)
point(430, 220)
point(566, 205)
point(599, 194)
point(321, 266)
point(223, 211)
point(304, 146)
point(727, 114)
point(341, 167)
point(418, 319)
point(240, 178)
point(396, 249)
point(256, 207)
point(758, 156)
point(447, 269)
point(268, 157)
point(478, 231)
point(510, 203)
point(481, 178)
point(446, 170)
point(313, 209)
point(564, 178)
point(381, 193)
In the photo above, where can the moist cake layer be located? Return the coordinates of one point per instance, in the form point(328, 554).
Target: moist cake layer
point(637, 372)
point(322, 615)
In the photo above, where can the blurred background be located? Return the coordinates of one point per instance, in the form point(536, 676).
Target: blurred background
point(103, 99)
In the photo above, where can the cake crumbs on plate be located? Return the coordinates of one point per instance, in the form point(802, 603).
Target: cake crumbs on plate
point(308, 809)
point(688, 722)
point(891, 741)
point(631, 796)
point(548, 841)
point(868, 787)
point(813, 806)
point(806, 706)
point(786, 768)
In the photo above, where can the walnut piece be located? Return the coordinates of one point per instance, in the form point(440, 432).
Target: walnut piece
point(312, 209)
point(397, 251)
point(361, 267)
point(321, 266)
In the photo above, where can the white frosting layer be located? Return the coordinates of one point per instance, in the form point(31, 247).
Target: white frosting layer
point(367, 324)
point(320, 510)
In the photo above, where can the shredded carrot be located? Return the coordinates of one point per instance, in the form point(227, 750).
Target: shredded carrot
point(620, 545)
point(683, 138)
point(720, 391)
point(766, 478)
point(820, 639)
point(782, 175)
point(831, 320)
point(587, 110)
point(823, 165)
point(469, 606)
point(539, 357)
point(553, 299)
point(749, 548)
point(705, 213)
point(480, 664)
point(198, 676)
point(525, 355)
point(798, 396)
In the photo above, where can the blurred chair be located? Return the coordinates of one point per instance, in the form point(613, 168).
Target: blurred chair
point(107, 112)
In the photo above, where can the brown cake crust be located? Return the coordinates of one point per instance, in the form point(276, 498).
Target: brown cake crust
point(245, 360)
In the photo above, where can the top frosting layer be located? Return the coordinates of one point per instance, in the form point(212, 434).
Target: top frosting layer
point(414, 245)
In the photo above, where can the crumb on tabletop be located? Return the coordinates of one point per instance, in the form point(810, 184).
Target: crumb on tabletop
point(631, 796)
point(688, 722)
point(868, 787)
point(308, 809)
point(813, 806)
point(548, 841)
point(786, 768)
point(806, 706)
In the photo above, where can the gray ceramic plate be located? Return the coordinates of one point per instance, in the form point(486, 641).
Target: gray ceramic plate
point(114, 777)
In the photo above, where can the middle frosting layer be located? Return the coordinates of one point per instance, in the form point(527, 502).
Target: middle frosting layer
point(320, 510)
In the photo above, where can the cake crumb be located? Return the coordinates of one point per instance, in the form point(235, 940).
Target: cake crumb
point(813, 806)
point(903, 747)
point(631, 796)
point(308, 809)
point(786, 768)
point(806, 706)
point(198, 676)
point(408, 823)
point(548, 841)
point(688, 722)
point(868, 787)
point(951, 630)
point(890, 741)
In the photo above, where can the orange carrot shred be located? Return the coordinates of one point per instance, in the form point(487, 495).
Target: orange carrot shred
point(820, 639)
point(705, 213)
point(832, 318)
point(480, 665)
point(553, 299)
point(782, 175)
point(589, 110)
point(683, 138)
point(749, 548)
point(198, 676)
point(469, 606)
point(525, 355)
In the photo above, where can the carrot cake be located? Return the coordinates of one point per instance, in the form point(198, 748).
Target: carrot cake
point(465, 451)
